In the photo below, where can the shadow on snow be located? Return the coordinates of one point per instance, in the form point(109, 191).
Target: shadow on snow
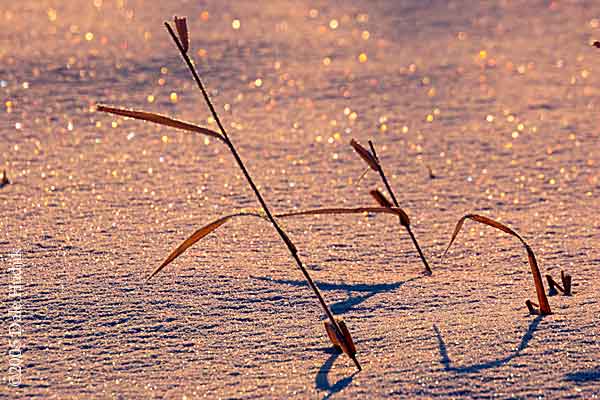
point(447, 362)
point(353, 300)
point(322, 382)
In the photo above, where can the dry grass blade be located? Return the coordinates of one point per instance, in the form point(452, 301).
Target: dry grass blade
point(535, 270)
point(196, 236)
point(459, 225)
point(207, 229)
point(159, 119)
point(495, 224)
point(341, 210)
point(182, 31)
point(365, 155)
point(539, 284)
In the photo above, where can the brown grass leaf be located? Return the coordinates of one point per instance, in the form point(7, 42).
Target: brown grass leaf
point(539, 284)
point(365, 155)
point(196, 236)
point(483, 220)
point(207, 229)
point(159, 119)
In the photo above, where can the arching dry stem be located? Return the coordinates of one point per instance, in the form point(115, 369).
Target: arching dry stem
point(214, 225)
point(544, 305)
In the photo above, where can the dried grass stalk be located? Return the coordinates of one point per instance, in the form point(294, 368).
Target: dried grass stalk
point(159, 119)
point(371, 158)
point(544, 305)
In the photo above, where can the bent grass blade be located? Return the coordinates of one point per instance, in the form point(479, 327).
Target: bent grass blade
point(544, 305)
point(214, 225)
point(196, 236)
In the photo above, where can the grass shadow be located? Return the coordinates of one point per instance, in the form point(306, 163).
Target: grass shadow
point(589, 375)
point(322, 381)
point(447, 362)
point(366, 291)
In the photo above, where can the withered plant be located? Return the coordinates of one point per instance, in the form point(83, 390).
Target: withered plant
point(336, 330)
point(372, 160)
point(544, 307)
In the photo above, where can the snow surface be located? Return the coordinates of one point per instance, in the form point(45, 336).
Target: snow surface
point(499, 99)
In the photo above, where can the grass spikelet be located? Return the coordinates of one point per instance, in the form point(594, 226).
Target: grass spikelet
point(380, 198)
point(159, 119)
point(182, 31)
point(365, 155)
point(345, 343)
point(544, 305)
point(384, 202)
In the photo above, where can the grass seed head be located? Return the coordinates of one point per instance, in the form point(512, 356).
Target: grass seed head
point(365, 155)
point(182, 31)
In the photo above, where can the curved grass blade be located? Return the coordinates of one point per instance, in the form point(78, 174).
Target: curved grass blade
point(159, 119)
point(483, 220)
point(535, 270)
point(214, 225)
point(196, 236)
point(539, 284)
